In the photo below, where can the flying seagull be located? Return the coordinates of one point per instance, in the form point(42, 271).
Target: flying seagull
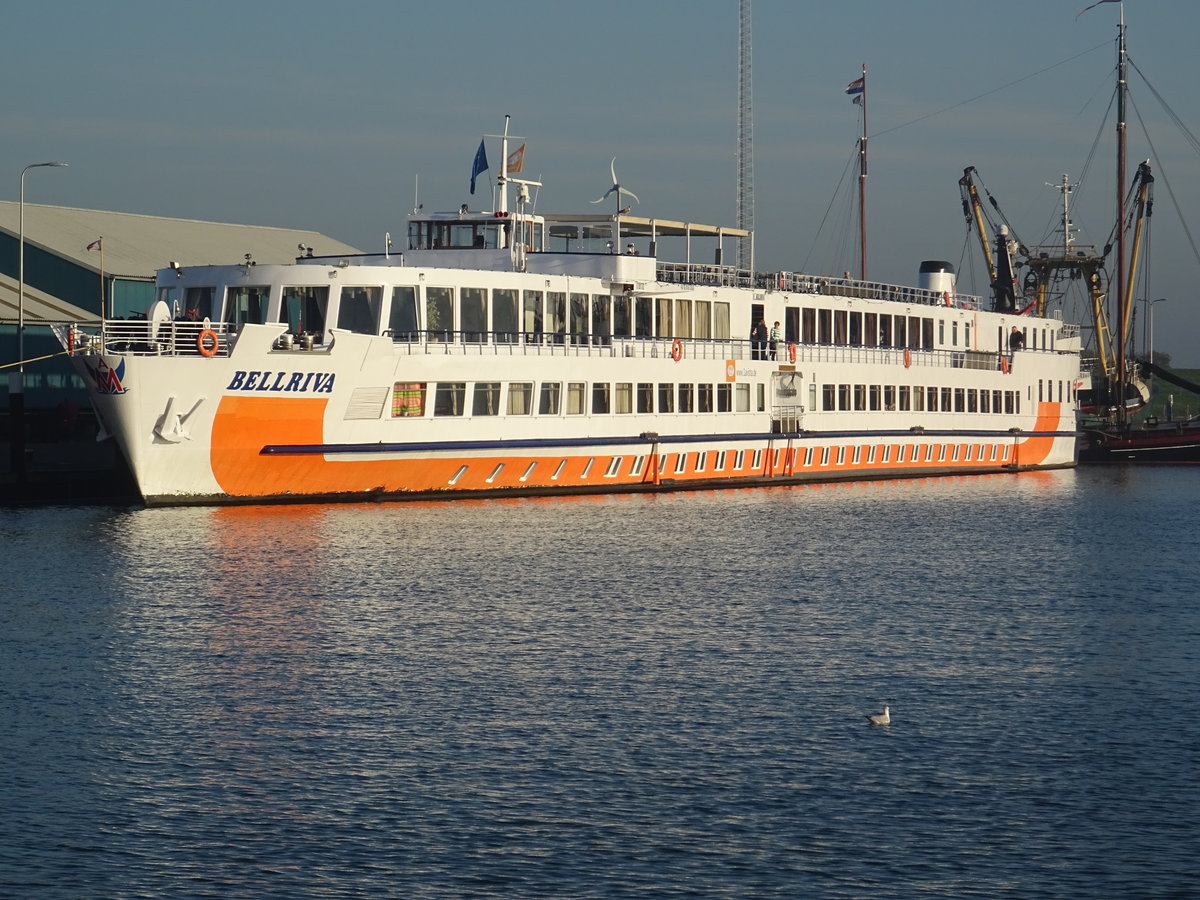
point(616, 188)
point(883, 718)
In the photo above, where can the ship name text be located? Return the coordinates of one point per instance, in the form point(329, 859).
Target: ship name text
point(282, 382)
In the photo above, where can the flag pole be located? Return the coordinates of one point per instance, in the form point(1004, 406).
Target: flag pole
point(862, 182)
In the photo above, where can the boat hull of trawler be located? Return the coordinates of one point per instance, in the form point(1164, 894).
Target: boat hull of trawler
point(570, 384)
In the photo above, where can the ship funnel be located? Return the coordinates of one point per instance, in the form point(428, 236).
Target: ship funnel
point(936, 275)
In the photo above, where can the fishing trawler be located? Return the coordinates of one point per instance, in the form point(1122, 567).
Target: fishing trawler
point(507, 352)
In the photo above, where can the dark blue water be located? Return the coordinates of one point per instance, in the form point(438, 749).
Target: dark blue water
point(652, 696)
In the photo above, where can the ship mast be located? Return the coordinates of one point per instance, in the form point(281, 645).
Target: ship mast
point(1123, 290)
point(745, 140)
point(861, 100)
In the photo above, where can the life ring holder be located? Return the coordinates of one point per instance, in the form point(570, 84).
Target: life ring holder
point(907, 358)
point(677, 350)
point(791, 352)
point(208, 342)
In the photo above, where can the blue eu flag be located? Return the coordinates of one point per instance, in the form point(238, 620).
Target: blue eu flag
point(480, 164)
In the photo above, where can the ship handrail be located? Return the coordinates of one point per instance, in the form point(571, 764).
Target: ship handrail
point(147, 337)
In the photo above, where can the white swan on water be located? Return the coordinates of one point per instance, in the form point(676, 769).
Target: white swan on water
point(883, 718)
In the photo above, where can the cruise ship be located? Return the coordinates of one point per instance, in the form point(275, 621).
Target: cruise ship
point(505, 352)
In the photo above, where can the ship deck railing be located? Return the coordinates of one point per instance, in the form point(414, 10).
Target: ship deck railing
point(800, 283)
point(140, 337)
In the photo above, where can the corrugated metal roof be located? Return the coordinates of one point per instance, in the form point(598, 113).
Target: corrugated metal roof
point(137, 246)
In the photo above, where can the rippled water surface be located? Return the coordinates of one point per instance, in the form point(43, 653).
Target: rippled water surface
point(646, 696)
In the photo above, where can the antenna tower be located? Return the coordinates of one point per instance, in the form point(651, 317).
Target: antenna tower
point(745, 140)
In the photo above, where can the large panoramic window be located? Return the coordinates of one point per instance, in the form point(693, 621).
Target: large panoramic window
point(439, 313)
point(359, 308)
point(303, 309)
point(246, 305)
point(402, 320)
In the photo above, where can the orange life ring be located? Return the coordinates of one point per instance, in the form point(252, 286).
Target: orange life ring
point(71, 341)
point(208, 343)
point(1004, 364)
point(948, 299)
point(907, 357)
point(781, 282)
point(791, 353)
point(677, 350)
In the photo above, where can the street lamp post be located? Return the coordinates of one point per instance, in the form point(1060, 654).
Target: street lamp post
point(16, 386)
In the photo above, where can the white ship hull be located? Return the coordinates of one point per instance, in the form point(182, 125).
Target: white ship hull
point(457, 414)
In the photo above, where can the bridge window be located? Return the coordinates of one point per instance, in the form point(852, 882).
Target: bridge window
point(504, 315)
point(246, 305)
point(622, 318)
point(402, 320)
point(303, 309)
point(198, 303)
point(532, 320)
point(359, 309)
point(439, 313)
point(473, 313)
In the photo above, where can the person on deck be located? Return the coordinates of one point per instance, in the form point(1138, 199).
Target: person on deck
point(776, 337)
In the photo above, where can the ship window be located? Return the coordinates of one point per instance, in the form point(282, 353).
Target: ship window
point(645, 397)
point(683, 318)
point(562, 464)
point(742, 396)
point(408, 399)
point(549, 400)
point(997, 401)
point(933, 399)
point(828, 397)
point(402, 320)
point(579, 318)
point(960, 400)
point(666, 398)
point(918, 398)
point(841, 456)
point(450, 398)
point(575, 394)
point(808, 456)
point(303, 309)
point(825, 456)
point(504, 315)
point(639, 463)
point(532, 321)
point(528, 471)
point(246, 305)
point(600, 398)
point(856, 457)
point(473, 314)
point(941, 332)
point(556, 314)
point(198, 303)
point(840, 333)
point(701, 461)
point(439, 313)
point(927, 334)
point(905, 398)
point(623, 397)
point(808, 325)
point(973, 400)
point(825, 326)
point(359, 308)
point(687, 398)
point(703, 327)
point(681, 463)
point(887, 453)
point(856, 329)
point(871, 454)
point(622, 320)
point(947, 394)
point(985, 399)
point(614, 467)
point(721, 321)
point(724, 397)
point(663, 314)
point(643, 317)
point(601, 319)
point(874, 394)
point(941, 453)
point(520, 398)
point(954, 334)
point(739, 460)
point(885, 331)
point(843, 396)
point(929, 453)
point(756, 460)
point(719, 465)
point(487, 399)
point(860, 396)
point(704, 398)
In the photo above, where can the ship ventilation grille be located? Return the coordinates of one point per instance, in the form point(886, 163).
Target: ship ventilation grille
point(367, 403)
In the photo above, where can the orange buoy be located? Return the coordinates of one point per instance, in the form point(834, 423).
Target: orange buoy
point(208, 343)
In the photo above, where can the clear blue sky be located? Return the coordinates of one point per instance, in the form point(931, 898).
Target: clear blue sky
point(311, 115)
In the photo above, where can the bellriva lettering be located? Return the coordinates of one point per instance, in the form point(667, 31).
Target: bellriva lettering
point(282, 382)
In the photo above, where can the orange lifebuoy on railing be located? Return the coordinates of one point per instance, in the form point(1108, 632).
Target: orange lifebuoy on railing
point(677, 350)
point(907, 357)
point(1004, 364)
point(791, 353)
point(208, 343)
point(71, 341)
